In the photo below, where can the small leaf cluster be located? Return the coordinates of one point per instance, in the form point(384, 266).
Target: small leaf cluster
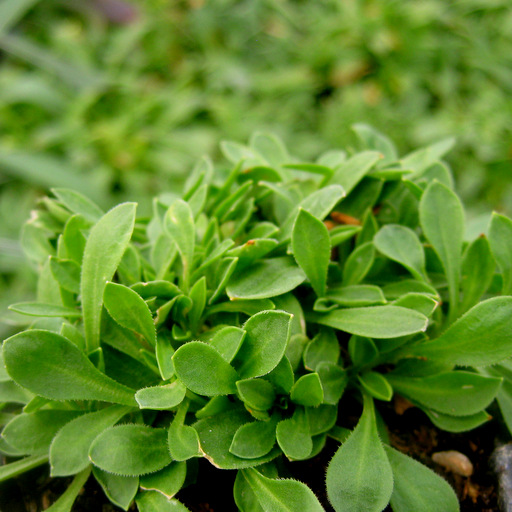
point(230, 324)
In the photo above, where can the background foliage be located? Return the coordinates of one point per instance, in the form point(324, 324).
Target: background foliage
point(119, 103)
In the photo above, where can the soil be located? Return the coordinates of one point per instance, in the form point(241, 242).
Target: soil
point(411, 433)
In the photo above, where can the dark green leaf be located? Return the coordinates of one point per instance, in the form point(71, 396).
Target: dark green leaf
point(256, 393)
point(167, 481)
point(120, 490)
point(308, 390)
point(358, 264)
point(293, 436)
point(376, 385)
point(216, 435)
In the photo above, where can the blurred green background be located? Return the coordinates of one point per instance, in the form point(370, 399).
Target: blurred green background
point(119, 99)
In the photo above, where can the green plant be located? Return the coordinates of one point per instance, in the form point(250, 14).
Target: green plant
point(230, 324)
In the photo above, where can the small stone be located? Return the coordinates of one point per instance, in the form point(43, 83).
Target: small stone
point(501, 461)
point(454, 461)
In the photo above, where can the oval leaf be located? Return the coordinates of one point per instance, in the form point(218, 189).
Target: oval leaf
point(264, 345)
point(265, 279)
point(131, 450)
point(285, 495)
point(161, 397)
point(375, 322)
point(34, 360)
point(129, 310)
point(196, 363)
point(359, 476)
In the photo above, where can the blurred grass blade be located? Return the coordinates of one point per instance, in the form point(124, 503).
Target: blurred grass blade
point(11, 11)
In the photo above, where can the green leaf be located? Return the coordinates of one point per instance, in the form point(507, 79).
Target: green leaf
point(456, 393)
point(341, 234)
point(78, 204)
point(374, 322)
point(264, 345)
point(156, 502)
point(130, 450)
point(67, 274)
point(421, 302)
point(358, 295)
point(478, 267)
point(104, 248)
point(198, 296)
point(196, 362)
point(120, 490)
point(167, 481)
point(323, 348)
point(376, 385)
point(256, 393)
point(334, 380)
point(265, 279)
point(401, 244)
point(418, 487)
point(312, 249)
point(69, 451)
point(39, 309)
point(161, 398)
point(182, 440)
point(66, 501)
point(216, 435)
point(34, 360)
point(308, 390)
point(254, 439)
point(359, 476)
point(228, 341)
point(482, 337)
point(352, 171)
point(31, 434)
point(500, 238)
point(21, 466)
point(282, 495)
point(179, 224)
point(164, 352)
point(129, 310)
point(358, 264)
point(458, 423)
point(362, 351)
point(321, 419)
point(293, 436)
point(442, 220)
